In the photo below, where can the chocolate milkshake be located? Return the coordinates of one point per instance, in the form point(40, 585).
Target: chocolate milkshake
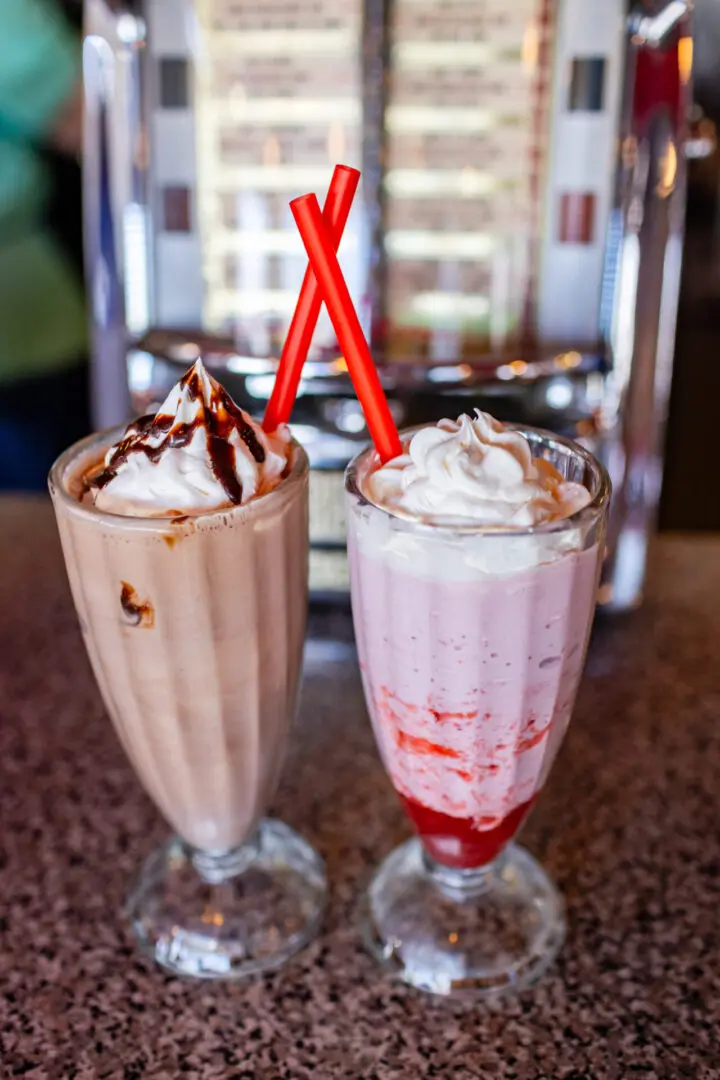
point(185, 541)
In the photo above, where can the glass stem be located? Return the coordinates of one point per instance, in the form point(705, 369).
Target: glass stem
point(460, 883)
point(216, 867)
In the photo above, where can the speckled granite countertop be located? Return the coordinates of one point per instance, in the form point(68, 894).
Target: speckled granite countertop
point(629, 826)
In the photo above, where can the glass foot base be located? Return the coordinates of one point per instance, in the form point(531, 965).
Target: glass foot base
point(233, 915)
point(463, 933)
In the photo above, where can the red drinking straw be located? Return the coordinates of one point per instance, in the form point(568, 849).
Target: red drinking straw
point(297, 343)
point(318, 243)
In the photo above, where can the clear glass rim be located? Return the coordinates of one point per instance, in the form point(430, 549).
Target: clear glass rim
point(59, 491)
point(594, 510)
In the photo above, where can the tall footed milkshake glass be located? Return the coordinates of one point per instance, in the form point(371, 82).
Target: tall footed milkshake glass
point(185, 540)
point(471, 639)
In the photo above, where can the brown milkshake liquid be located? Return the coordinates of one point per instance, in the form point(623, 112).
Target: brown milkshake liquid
point(194, 624)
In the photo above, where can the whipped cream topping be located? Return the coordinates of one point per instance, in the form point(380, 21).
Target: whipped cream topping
point(200, 452)
point(473, 471)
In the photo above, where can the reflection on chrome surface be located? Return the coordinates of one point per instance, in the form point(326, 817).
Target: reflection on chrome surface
point(516, 244)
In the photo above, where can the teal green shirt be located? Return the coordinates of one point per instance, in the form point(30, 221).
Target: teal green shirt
point(42, 313)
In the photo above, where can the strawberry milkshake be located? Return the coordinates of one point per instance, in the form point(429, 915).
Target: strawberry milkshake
point(474, 561)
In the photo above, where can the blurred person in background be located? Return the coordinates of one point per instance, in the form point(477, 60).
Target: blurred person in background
point(43, 371)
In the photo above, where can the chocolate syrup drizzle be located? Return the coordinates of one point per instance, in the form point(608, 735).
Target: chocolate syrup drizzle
point(138, 613)
point(220, 419)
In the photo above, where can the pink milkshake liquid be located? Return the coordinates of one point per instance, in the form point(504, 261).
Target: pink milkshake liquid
point(470, 684)
point(471, 643)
